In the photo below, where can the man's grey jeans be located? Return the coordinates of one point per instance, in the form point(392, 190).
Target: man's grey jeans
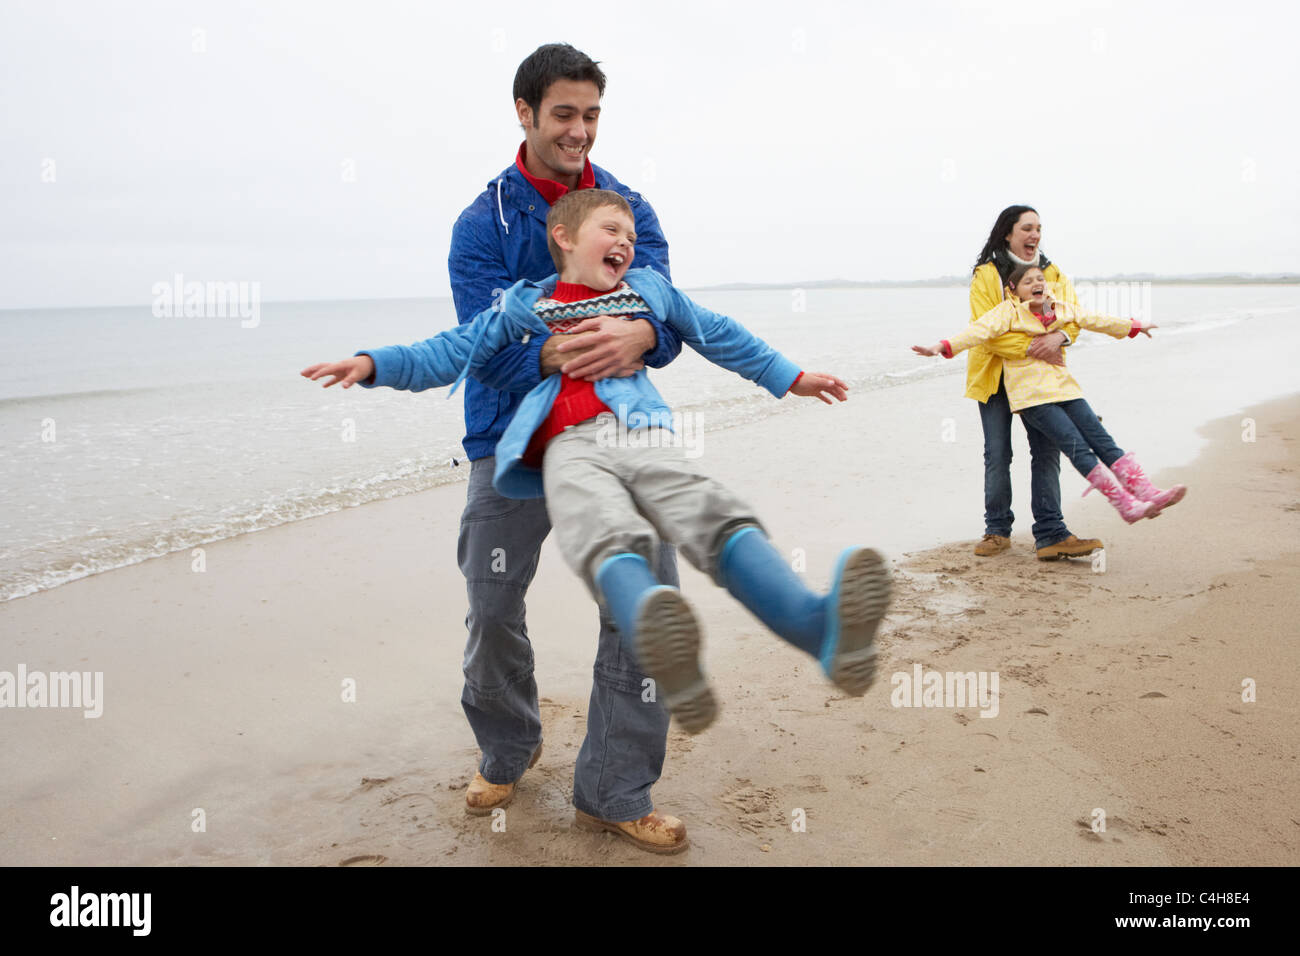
point(623, 754)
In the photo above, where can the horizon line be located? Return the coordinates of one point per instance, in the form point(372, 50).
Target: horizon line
point(1201, 278)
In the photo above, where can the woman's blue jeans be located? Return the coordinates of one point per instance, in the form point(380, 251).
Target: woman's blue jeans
point(1044, 471)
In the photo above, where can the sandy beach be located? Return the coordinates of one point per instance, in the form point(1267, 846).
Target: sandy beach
point(1120, 682)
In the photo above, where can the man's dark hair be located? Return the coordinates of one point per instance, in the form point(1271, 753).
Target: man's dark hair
point(545, 65)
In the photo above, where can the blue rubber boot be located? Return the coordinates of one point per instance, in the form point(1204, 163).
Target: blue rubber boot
point(758, 577)
point(839, 628)
point(657, 626)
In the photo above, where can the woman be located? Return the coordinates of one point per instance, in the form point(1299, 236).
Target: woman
point(1013, 241)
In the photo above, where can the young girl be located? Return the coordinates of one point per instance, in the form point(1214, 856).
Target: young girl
point(1049, 398)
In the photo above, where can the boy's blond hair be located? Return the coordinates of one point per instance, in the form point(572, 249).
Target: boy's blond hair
point(573, 209)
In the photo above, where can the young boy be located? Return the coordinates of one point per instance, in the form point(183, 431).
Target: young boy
point(607, 501)
point(1050, 399)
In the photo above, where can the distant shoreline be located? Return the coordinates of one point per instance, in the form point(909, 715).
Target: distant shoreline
point(940, 282)
point(946, 282)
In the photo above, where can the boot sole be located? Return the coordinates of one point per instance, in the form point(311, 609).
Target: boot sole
point(487, 811)
point(586, 821)
point(1062, 555)
point(860, 601)
point(668, 643)
point(1179, 495)
point(1147, 513)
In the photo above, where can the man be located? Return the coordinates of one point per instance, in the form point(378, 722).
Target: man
point(499, 239)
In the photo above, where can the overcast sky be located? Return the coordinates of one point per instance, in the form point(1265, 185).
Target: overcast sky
point(778, 142)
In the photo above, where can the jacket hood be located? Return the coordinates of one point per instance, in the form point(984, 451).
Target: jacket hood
point(513, 191)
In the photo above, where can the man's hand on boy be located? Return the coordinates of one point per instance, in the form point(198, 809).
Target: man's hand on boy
point(358, 368)
point(820, 385)
point(604, 346)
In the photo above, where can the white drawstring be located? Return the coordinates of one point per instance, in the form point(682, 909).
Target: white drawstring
point(500, 211)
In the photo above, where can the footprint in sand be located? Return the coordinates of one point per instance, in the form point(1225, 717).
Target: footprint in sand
point(755, 807)
point(1113, 827)
point(965, 814)
point(811, 783)
point(370, 859)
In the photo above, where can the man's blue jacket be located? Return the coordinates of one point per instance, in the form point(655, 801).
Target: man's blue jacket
point(470, 349)
point(497, 241)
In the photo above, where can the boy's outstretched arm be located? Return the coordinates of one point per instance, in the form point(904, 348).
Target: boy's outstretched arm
point(728, 343)
point(820, 385)
point(725, 342)
point(349, 371)
point(429, 364)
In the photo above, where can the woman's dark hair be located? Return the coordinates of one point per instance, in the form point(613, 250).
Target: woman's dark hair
point(545, 65)
point(1007, 218)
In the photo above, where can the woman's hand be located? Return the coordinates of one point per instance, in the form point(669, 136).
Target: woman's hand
point(819, 385)
point(1145, 329)
point(1047, 348)
point(936, 349)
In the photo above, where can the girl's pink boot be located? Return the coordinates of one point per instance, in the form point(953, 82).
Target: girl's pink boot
point(1134, 480)
point(1130, 508)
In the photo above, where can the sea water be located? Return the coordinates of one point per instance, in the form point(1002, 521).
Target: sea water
point(127, 436)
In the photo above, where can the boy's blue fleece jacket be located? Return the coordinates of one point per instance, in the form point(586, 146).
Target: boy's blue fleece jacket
point(467, 349)
point(498, 240)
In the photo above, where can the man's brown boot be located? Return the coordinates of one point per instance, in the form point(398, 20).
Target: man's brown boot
point(992, 544)
point(1071, 547)
point(656, 832)
point(482, 797)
